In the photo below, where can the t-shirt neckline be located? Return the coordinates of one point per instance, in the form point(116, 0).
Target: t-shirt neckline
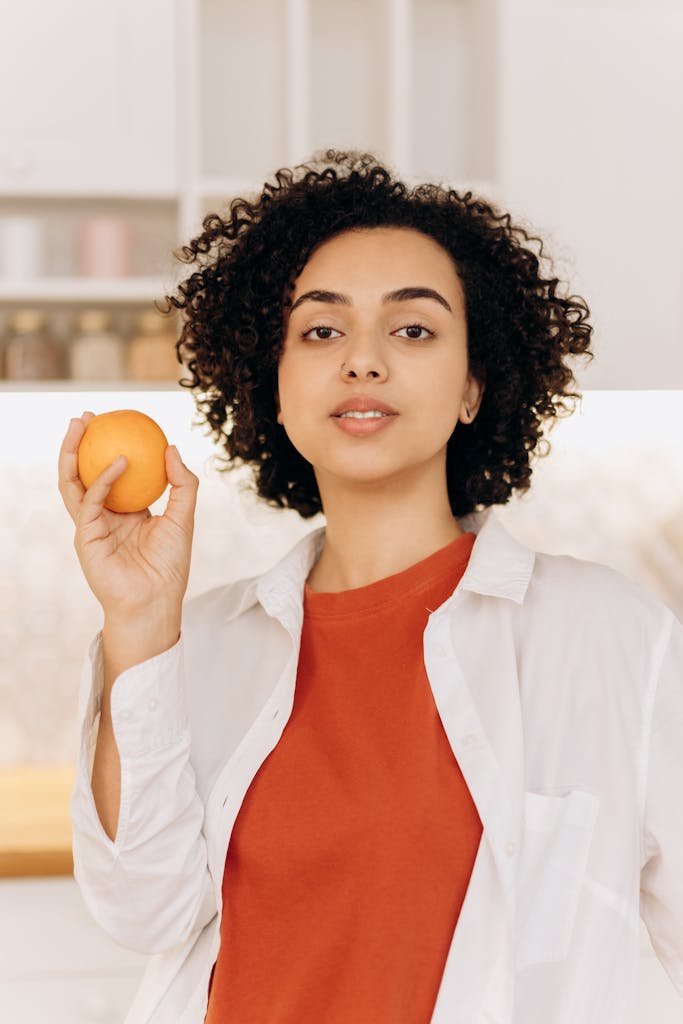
point(447, 560)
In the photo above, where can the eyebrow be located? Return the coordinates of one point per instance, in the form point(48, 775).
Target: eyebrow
point(399, 295)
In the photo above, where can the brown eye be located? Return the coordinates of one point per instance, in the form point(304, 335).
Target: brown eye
point(319, 327)
point(418, 328)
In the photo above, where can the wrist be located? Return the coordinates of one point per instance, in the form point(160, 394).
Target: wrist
point(128, 641)
point(140, 619)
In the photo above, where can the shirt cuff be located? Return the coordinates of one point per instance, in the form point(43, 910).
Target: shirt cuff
point(149, 705)
point(148, 702)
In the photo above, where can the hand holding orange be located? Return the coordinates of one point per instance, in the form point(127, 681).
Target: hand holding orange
point(143, 442)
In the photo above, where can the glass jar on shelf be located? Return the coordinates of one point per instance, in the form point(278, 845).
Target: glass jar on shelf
point(21, 247)
point(97, 352)
point(151, 349)
point(104, 247)
point(32, 352)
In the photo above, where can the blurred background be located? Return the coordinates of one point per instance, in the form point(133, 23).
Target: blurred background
point(123, 125)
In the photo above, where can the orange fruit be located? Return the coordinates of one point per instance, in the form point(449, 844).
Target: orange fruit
point(143, 442)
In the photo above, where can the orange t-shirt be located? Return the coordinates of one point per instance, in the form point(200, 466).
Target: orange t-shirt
point(352, 851)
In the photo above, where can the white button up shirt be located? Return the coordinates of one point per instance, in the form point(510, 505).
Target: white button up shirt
point(559, 683)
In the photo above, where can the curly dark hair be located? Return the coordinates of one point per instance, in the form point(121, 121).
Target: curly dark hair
point(519, 329)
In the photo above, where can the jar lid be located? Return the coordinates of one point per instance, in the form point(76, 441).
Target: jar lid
point(151, 322)
point(25, 320)
point(93, 320)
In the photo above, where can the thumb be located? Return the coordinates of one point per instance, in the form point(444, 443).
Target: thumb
point(184, 485)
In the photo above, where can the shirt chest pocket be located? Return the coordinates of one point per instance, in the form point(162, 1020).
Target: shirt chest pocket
point(557, 835)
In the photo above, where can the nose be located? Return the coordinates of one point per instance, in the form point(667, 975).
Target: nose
point(363, 361)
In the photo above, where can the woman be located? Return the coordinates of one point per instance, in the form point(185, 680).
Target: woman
point(416, 771)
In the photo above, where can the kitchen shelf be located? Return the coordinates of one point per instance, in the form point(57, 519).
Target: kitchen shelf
point(293, 99)
point(63, 193)
point(31, 386)
point(81, 289)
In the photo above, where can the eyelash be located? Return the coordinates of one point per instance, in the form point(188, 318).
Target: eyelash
point(325, 327)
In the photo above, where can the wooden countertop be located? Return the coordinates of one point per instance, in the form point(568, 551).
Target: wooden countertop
point(35, 826)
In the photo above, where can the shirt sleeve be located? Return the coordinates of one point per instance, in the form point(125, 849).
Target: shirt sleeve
point(150, 888)
point(661, 878)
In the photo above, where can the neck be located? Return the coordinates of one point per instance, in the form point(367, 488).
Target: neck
point(374, 534)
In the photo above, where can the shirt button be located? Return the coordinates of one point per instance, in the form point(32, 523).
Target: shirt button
point(510, 848)
point(470, 740)
point(152, 703)
point(439, 649)
point(125, 714)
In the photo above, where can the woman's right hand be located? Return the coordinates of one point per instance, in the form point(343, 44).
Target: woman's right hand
point(133, 561)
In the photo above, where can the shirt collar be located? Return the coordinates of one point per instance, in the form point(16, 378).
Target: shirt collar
point(499, 565)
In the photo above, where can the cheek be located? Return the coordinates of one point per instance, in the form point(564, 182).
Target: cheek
point(443, 396)
point(292, 396)
point(296, 383)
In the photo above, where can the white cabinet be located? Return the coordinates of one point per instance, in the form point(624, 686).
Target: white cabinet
point(565, 112)
point(75, 998)
point(56, 964)
point(411, 80)
point(591, 114)
point(89, 97)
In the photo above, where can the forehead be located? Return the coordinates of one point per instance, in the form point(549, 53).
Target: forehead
point(384, 256)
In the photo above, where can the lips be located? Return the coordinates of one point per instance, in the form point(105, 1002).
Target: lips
point(364, 404)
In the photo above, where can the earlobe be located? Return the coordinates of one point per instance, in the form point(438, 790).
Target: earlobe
point(472, 399)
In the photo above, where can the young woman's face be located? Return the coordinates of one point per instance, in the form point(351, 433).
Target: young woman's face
point(347, 336)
